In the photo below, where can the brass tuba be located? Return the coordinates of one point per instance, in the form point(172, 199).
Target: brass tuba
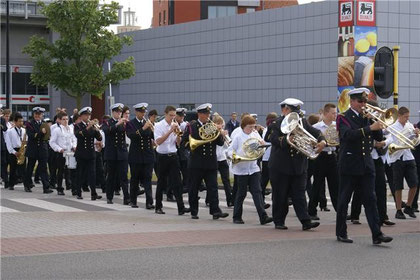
point(22, 150)
point(302, 141)
point(252, 149)
point(208, 133)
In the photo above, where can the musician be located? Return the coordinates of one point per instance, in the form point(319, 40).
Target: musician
point(3, 130)
point(222, 164)
point(85, 133)
point(183, 152)
point(403, 164)
point(141, 155)
point(203, 164)
point(73, 172)
point(325, 165)
point(265, 173)
point(232, 124)
point(62, 141)
point(167, 160)
point(259, 128)
point(116, 154)
point(248, 173)
point(13, 141)
point(37, 150)
point(99, 165)
point(356, 167)
point(288, 169)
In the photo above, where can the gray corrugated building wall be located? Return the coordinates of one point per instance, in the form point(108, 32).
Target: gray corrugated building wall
point(249, 63)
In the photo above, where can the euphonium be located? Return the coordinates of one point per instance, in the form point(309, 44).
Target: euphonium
point(208, 133)
point(22, 150)
point(302, 141)
point(252, 149)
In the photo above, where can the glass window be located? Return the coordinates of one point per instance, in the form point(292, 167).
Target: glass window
point(231, 11)
point(212, 12)
point(164, 17)
point(42, 90)
point(221, 11)
point(160, 18)
point(3, 83)
point(18, 83)
point(250, 10)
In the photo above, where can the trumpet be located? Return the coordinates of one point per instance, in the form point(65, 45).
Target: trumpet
point(95, 124)
point(177, 130)
point(152, 127)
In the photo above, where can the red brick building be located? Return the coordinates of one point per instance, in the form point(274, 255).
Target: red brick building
point(167, 12)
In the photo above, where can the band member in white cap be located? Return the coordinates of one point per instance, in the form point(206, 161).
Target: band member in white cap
point(37, 150)
point(85, 132)
point(167, 137)
point(288, 169)
point(356, 167)
point(141, 155)
point(203, 164)
point(116, 154)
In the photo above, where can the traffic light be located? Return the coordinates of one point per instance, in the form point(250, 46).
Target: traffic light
point(383, 77)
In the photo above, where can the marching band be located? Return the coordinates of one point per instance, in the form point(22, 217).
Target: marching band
point(351, 151)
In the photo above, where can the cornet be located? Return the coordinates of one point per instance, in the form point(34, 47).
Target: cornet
point(152, 127)
point(177, 130)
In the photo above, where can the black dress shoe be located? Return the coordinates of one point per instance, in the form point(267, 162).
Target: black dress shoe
point(181, 212)
point(79, 197)
point(381, 238)
point(230, 204)
point(416, 210)
point(117, 192)
point(399, 215)
point(32, 185)
point(85, 189)
point(60, 193)
point(280, 226)
point(348, 218)
point(238, 221)
point(11, 188)
point(170, 199)
point(356, 222)
point(47, 191)
point(344, 239)
point(37, 182)
point(194, 217)
point(126, 202)
point(52, 186)
point(140, 192)
point(409, 211)
point(187, 209)
point(309, 225)
point(315, 218)
point(159, 211)
point(27, 189)
point(266, 205)
point(219, 215)
point(266, 220)
point(388, 223)
point(109, 201)
point(150, 206)
point(95, 197)
point(134, 206)
point(326, 209)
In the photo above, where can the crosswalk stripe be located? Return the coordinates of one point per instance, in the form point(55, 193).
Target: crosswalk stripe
point(7, 210)
point(117, 206)
point(46, 205)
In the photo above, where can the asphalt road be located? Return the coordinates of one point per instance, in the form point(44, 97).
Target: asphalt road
point(288, 259)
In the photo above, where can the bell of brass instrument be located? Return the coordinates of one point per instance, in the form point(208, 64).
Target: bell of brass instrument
point(252, 149)
point(331, 136)
point(22, 150)
point(302, 141)
point(47, 134)
point(208, 133)
point(152, 127)
point(410, 141)
point(177, 130)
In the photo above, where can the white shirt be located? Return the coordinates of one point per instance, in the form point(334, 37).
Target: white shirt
point(52, 127)
point(322, 126)
point(169, 145)
point(243, 167)
point(406, 153)
point(13, 139)
point(235, 132)
point(182, 126)
point(62, 138)
point(267, 153)
point(221, 152)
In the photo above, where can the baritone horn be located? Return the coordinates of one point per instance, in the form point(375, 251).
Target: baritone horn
point(331, 136)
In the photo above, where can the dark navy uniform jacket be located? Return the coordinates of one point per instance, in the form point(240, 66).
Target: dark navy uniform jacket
point(85, 141)
point(115, 144)
point(3, 129)
point(204, 156)
point(141, 147)
point(36, 146)
point(284, 158)
point(356, 144)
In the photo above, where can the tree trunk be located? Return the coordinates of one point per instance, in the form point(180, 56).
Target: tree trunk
point(78, 101)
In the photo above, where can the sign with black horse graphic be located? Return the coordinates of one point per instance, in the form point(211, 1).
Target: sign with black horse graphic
point(366, 12)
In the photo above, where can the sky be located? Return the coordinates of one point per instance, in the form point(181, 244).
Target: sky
point(144, 10)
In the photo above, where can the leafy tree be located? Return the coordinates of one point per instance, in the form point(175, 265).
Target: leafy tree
point(74, 63)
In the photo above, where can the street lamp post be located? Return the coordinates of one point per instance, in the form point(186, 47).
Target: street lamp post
point(8, 105)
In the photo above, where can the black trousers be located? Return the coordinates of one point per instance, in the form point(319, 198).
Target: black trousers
point(283, 186)
point(265, 177)
point(325, 167)
point(52, 168)
point(183, 164)
point(61, 171)
point(356, 204)
point(117, 177)
point(390, 178)
point(15, 169)
point(253, 182)
point(415, 204)
point(85, 171)
point(100, 173)
point(210, 178)
point(42, 169)
point(4, 176)
point(223, 168)
point(380, 189)
point(141, 173)
point(168, 166)
point(366, 184)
